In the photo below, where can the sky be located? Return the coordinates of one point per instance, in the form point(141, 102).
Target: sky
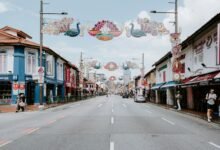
point(24, 15)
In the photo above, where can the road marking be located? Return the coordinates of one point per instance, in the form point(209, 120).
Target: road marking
point(31, 130)
point(215, 145)
point(124, 105)
point(4, 142)
point(112, 120)
point(112, 105)
point(61, 117)
point(112, 145)
point(100, 105)
point(51, 122)
point(112, 110)
point(170, 122)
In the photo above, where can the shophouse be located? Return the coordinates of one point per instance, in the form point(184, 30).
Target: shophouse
point(201, 52)
point(19, 66)
point(165, 86)
point(150, 78)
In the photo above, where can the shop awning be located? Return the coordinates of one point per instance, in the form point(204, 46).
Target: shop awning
point(157, 86)
point(204, 78)
point(199, 79)
point(217, 76)
point(169, 84)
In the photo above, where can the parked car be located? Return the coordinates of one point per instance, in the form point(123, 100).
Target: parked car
point(125, 95)
point(139, 98)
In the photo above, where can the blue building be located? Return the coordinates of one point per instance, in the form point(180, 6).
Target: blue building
point(19, 64)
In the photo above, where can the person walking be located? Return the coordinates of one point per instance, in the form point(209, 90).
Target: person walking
point(20, 102)
point(178, 98)
point(211, 98)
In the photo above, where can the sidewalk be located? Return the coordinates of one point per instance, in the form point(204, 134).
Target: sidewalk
point(200, 115)
point(12, 108)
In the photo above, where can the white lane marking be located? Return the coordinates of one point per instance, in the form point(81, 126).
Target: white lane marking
point(124, 105)
point(149, 112)
point(4, 142)
point(215, 145)
point(112, 120)
point(61, 117)
point(112, 105)
point(170, 122)
point(100, 105)
point(112, 110)
point(112, 145)
point(31, 130)
point(51, 122)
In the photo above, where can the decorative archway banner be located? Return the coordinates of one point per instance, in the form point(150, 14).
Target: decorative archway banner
point(111, 66)
point(105, 30)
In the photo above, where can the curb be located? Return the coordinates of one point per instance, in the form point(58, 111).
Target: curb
point(186, 113)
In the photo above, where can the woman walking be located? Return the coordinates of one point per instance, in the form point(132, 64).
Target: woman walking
point(211, 98)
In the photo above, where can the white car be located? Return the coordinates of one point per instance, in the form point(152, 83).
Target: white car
point(139, 98)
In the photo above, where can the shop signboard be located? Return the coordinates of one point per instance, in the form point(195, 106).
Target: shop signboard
point(22, 87)
point(15, 88)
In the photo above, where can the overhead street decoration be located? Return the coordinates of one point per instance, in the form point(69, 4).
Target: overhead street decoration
point(111, 66)
point(58, 26)
point(105, 30)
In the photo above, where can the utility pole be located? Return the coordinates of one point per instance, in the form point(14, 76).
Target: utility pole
point(41, 47)
point(81, 74)
point(41, 70)
point(176, 16)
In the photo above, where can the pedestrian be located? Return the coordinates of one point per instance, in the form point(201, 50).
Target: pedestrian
point(178, 98)
point(211, 98)
point(20, 102)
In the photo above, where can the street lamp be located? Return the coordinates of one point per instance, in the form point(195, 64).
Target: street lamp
point(175, 13)
point(204, 66)
point(41, 43)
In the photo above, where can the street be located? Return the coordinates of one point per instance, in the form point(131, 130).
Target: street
point(106, 123)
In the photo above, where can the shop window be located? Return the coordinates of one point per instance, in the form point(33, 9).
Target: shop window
point(183, 68)
point(50, 66)
point(31, 63)
point(3, 62)
point(5, 92)
point(59, 71)
point(200, 57)
point(164, 76)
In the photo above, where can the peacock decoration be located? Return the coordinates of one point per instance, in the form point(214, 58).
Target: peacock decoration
point(137, 33)
point(105, 30)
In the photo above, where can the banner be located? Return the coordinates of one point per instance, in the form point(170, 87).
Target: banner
point(105, 30)
point(57, 27)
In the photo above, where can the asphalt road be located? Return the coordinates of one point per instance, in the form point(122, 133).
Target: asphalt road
point(105, 123)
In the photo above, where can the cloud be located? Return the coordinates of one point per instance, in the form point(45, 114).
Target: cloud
point(193, 14)
point(144, 14)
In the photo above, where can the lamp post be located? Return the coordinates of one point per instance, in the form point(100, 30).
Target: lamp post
point(175, 13)
point(41, 43)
